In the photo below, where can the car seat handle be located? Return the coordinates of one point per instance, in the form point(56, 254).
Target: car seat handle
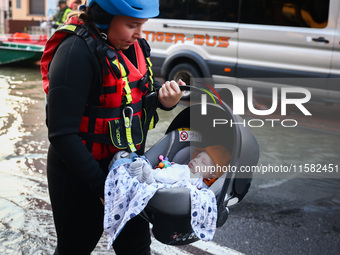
point(192, 89)
point(204, 92)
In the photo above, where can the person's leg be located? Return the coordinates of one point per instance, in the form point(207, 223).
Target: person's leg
point(77, 211)
point(134, 239)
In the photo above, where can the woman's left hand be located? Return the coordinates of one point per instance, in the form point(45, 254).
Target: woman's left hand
point(170, 93)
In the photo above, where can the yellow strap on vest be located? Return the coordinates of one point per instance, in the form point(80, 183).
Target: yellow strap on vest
point(149, 62)
point(129, 135)
point(120, 67)
point(152, 124)
point(68, 27)
point(127, 88)
point(149, 65)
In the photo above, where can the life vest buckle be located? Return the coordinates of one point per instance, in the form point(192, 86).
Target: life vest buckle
point(128, 120)
point(82, 32)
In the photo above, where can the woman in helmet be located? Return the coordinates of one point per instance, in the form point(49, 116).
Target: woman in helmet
point(98, 78)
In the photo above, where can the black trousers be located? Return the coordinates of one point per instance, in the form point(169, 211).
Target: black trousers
point(78, 216)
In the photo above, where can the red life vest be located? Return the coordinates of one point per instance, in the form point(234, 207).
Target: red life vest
point(118, 121)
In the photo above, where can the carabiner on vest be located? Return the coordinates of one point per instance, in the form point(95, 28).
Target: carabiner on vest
point(128, 120)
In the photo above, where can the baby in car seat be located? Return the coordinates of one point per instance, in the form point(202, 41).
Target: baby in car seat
point(204, 168)
point(210, 162)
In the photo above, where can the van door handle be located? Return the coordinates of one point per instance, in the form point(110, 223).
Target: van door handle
point(320, 40)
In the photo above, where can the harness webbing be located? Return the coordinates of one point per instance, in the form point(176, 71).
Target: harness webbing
point(103, 113)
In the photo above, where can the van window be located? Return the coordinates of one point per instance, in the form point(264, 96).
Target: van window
point(296, 13)
point(204, 10)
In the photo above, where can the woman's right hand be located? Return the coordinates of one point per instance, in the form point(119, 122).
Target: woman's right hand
point(170, 93)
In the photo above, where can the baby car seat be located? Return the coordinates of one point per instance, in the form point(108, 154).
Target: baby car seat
point(169, 210)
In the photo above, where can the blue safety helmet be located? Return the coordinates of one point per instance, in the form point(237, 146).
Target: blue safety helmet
point(143, 9)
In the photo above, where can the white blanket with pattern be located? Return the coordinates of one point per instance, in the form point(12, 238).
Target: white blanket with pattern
point(126, 197)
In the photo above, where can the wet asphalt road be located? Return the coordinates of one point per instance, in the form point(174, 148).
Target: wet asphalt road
point(297, 214)
point(288, 217)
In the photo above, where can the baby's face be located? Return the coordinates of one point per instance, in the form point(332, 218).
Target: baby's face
point(200, 164)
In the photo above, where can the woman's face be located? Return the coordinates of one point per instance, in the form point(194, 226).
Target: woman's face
point(124, 31)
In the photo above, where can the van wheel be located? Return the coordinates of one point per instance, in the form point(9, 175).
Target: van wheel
point(184, 72)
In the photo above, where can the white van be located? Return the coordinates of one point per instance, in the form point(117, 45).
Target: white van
point(243, 41)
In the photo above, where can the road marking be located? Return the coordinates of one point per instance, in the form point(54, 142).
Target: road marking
point(163, 249)
point(273, 184)
point(215, 248)
point(210, 247)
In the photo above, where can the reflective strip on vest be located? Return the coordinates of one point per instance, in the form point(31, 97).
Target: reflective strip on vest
point(69, 27)
point(152, 124)
point(127, 89)
point(149, 65)
point(128, 131)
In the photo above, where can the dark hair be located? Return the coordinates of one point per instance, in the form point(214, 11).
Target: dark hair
point(100, 16)
point(61, 2)
point(97, 15)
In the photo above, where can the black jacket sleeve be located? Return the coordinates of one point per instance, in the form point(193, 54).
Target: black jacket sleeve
point(73, 78)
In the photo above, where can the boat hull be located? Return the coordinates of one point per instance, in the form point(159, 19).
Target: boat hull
point(22, 53)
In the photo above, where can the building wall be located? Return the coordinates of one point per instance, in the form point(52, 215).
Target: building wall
point(4, 14)
point(23, 21)
point(22, 13)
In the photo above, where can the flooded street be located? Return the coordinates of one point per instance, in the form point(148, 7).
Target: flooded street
point(296, 213)
point(25, 215)
point(26, 222)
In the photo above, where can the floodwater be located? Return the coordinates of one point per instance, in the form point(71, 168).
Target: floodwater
point(26, 224)
point(25, 212)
